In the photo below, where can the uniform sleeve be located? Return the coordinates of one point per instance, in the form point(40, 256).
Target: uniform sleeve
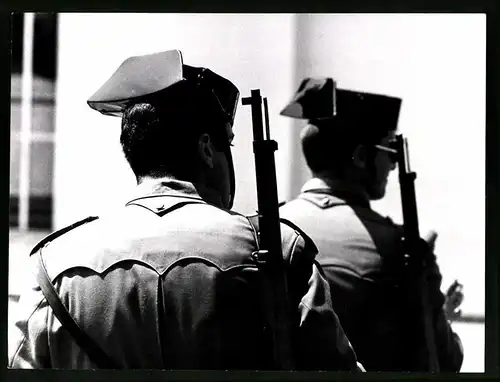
point(320, 339)
point(28, 341)
point(448, 343)
point(321, 336)
point(449, 346)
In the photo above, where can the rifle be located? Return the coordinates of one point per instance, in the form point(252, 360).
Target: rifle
point(269, 257)
point(416, 249)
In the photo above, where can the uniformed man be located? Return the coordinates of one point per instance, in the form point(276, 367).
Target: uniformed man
point(360, 250)
point(169, 282)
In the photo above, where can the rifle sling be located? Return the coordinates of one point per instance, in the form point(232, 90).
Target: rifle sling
point(93, 351)
point(87, 344)
point(277, 315)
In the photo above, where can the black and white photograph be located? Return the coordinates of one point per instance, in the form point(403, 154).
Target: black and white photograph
point(232, 191)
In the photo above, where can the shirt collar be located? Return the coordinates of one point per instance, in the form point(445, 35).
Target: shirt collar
point(314, 184)
point(319, 186)
point(174, 187)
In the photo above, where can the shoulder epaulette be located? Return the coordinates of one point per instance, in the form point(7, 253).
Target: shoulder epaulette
point(61, 232)
point(309, 242)
point(254, 221)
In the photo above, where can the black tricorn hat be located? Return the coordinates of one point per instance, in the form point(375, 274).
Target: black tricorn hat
point(139, 77)
point(314, 99)
point(317, 99)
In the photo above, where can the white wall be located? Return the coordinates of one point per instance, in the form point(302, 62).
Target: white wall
point(437, 64)
point(253, 51)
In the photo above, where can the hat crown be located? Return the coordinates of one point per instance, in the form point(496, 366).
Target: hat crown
point(314, 99)
point(319, 99)
point(144, 76)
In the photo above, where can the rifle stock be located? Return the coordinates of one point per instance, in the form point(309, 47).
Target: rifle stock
point(270, 257)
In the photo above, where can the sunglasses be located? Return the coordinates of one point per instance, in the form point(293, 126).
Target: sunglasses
point(398, 152)
point(223, 92)
point(391, 149)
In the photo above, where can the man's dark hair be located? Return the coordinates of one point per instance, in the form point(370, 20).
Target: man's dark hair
point(160, 133)
point(328, 145)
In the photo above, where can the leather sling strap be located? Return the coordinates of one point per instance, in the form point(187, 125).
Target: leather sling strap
point(93, 351)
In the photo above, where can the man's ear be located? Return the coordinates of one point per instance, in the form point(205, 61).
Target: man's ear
point(359, 156)
point(205, 150)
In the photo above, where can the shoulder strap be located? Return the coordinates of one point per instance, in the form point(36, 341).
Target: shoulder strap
point(56, 234)
point(309, 242)
point(93, 351)
point(254, 222)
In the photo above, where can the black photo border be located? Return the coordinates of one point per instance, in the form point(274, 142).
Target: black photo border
point(492, 264)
